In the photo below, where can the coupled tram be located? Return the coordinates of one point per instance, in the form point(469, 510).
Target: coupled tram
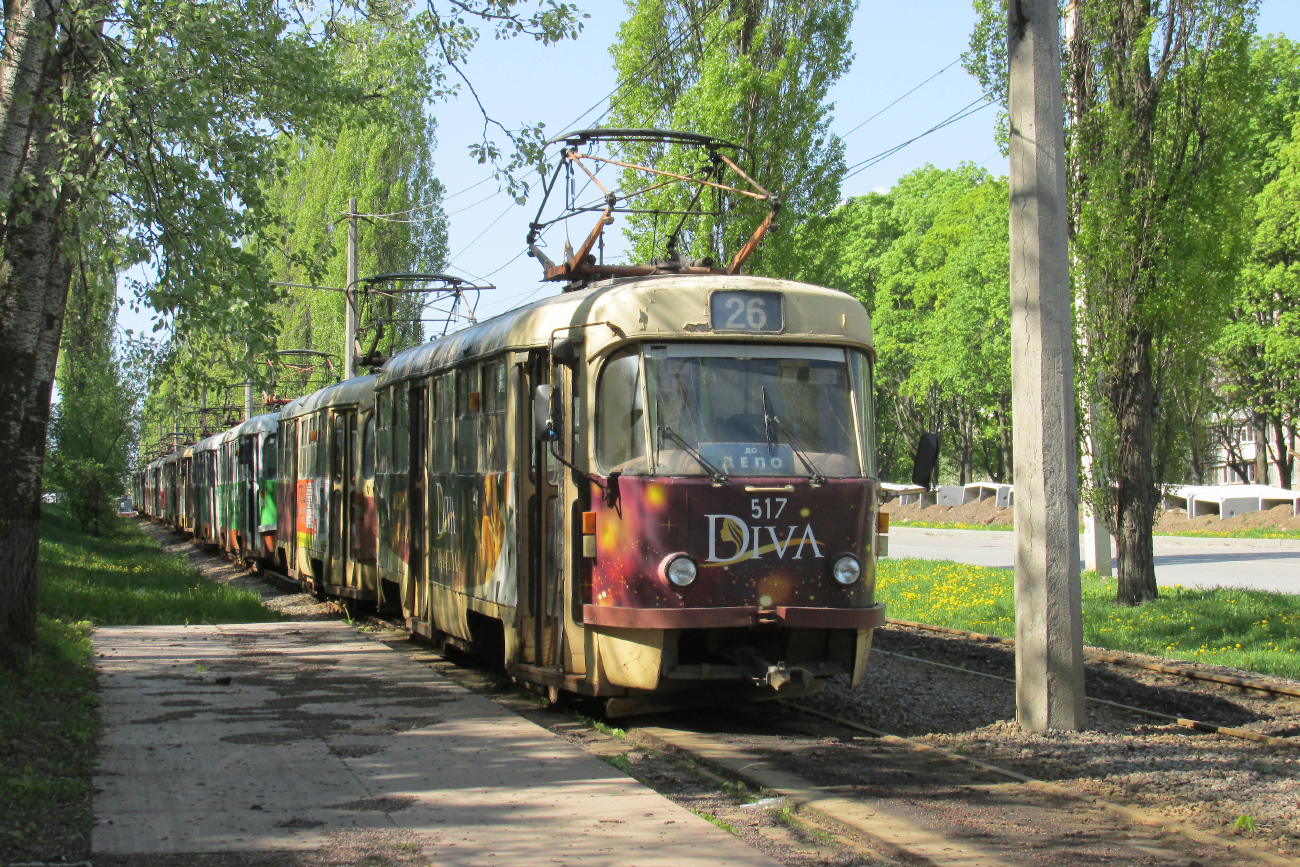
point(657, 490)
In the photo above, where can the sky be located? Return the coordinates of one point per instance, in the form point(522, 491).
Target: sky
point(523, 82)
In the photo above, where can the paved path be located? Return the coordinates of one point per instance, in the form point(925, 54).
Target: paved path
point(306, 736)
point(1265, 564)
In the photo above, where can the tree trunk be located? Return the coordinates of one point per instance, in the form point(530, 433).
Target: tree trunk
point(1136, 494)
point(1259, 425)
point(28, 25)
point(34, 277)
point(1282, 456)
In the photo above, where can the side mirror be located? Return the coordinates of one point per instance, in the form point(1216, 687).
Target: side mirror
point(543, 423)
point(565, 350)
point(927, 458)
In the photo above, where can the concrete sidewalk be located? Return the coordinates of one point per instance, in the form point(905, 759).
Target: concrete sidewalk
point(294, 736)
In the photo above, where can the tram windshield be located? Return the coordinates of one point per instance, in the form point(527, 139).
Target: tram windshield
point(739, 410)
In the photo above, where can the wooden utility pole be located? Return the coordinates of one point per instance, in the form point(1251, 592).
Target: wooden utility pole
point(350, 322)
point(1049, 616)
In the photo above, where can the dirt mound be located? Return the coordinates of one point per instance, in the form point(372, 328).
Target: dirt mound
point(980, 513)
point(1277, 518)
point(985, 513)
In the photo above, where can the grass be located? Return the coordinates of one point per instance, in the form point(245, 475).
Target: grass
point(47, 716)
point(714, 820)
point(948, 525)
point(47, 735)
point(125, 579)
point(1248, 629)
point(1252, 533)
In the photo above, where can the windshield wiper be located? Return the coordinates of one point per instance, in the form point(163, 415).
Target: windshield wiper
point(664, 430)
point(772, 426)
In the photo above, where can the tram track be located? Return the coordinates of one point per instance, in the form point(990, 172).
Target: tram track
point(1197, 725)
point(1115, 659)
point(829, 815)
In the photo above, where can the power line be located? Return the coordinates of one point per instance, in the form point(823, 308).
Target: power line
point(901, 98)
point(484, 232)
point(964, 112)
point(658, 56)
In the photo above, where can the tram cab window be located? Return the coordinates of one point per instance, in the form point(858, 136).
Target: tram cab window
point(752, 410)
point(620, 406)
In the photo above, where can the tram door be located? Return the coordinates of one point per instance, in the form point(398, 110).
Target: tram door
point(290, 499)
point(342, 479)
point(418, 485)
point(545, 531)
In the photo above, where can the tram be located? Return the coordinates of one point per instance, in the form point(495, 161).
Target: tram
point(657, 488)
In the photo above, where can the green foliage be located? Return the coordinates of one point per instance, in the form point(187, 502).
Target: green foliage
point(48, 728)
point(124, 578)
point(1259, 349)
point(930, 261)
point(382, 155)
point(619, 762)
point(94, 427)
point(756, 74)
point(1253, 630)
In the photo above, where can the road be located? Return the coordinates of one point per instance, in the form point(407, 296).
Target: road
point(1262, 564)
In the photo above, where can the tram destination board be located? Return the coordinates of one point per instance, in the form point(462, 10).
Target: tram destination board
point(747, 311)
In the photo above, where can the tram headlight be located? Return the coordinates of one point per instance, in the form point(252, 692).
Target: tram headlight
point(846, 570)
point(681, 571)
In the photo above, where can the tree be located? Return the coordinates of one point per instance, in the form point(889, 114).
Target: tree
point(930, 260)
point(382, 155)
point(173, 112)
point(94, 427)
point(753, 72)
point(1260, 348)
point(1154, 96)
point(1255, 354)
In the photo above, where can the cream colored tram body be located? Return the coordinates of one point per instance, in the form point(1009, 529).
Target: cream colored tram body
point(658, 490)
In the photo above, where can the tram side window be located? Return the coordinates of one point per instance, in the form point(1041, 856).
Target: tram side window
point(444, 409)
point(336, 458)
point(620, 433)
point(402, 431)
point(865, 395)
point(268, 457)
point(468, 397)
point(494, 415)
point(368, 449)
point(383, 424)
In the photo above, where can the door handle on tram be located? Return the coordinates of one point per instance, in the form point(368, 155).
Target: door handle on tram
point(775, 489)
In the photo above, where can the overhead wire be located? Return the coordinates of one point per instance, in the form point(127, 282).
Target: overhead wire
point(901, 98)
point(963, 112)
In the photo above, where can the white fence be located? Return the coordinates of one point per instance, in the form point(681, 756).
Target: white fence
point(1004, 496)
point(1228, 501)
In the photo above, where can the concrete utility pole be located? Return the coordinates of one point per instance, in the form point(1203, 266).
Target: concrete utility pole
point(1049, 609)
point(248, 399)
point(350, 327)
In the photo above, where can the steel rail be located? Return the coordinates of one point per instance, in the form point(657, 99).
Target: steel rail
point(1198, 725)
point(1100, 656)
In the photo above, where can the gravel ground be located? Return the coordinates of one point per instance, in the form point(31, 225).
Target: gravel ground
point(1210, 781)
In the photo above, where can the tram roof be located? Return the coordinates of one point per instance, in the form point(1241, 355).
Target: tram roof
point(640, 308)
point(358, 390)
point(267, 421)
